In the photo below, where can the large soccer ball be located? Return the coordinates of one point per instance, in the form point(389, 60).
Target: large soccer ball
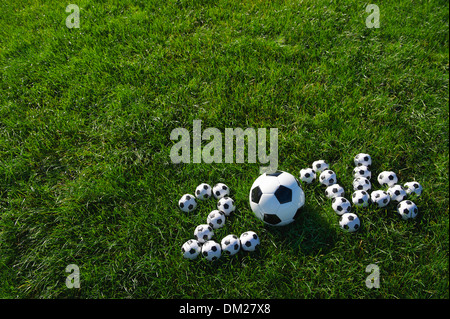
point(276, 198)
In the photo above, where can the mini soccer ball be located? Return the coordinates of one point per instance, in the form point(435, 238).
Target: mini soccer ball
point(349, 222)
point(216, 219)
point(230, 244)
point(191, 249)
point(412, 188)
point(307, 175)
point(249, 241)
point(203, 233)
point(362, 159)
point(220, 190)
point(187, 203)
point(387, 178)
point(360, 198)
point(362, 171)
point(319, 166)
point(380, 198)
point(327, 177)
point(341, 205)
point(361, 184)
point(203, 191)
point(334, 190)
point(211, 250)
point(397, 193)
point(407, 209)
point(276, 198)
point(226, 205)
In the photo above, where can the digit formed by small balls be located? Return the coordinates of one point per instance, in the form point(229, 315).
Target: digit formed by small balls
point(380, 198)
point(216, 219)
point(334, 190)
point(249, 241)
point(362, 171)
point(203, 233)
point(307, 175)
point(187, 203)
point(407, 209)
point(203, 191)
point(226, 205)
point(350, 222)
point(211, 250)
point(221, 190)
point(361, 184)
point(341, 205)
point(362, 159)
point(413, 188)
point(191, 249)
point(230, 244)
point(319, 166)
point(360, 198)
point(327, 177)
point(397, 193)
point(387, 178)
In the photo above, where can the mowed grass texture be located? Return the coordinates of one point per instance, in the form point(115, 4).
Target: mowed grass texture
point(85, 119)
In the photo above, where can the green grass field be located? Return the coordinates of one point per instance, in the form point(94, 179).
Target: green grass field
point(86, 113)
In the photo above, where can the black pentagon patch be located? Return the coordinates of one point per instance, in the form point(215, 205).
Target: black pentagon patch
point(256, 194)
point(272, 219)
point(297, 213)
point(192, 251)
point(277, 173)
point(283, 194)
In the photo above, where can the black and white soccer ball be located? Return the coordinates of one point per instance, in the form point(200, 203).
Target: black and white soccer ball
point(211, 250)
point(413, 188)
point(362, 171)
point(407, 209)
point(361, 184)
point(362, 159)
point(307, 175)
point(397, 193)
point(203, 233)
point(334, 190)
point(191, 249)
point(220, 190)
point(226, 205)
point(216, 219)
point(249, 241)
point(230, 244)
point(328, 177)
point(319, 166)
point(387, 178)
point(276, 198)
point(203, 191)
point(360, 198)
point(187, 203)
point(341, 205)
point(380, 198)
point(350, 222)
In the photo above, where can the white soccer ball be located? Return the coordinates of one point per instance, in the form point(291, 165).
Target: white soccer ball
point(226, 205)
point(307, 175)
point(319, 166)
point(187, 203)
point(203, 191)
point(407, 209)
point(341, 205)
point(216, 219)
point(360, 198)
point(361, 184)
point(230, 244)
point(362, 171)
point(362, 159)
point(334, 190)
point(350, 222)
point(249, 241)
point(211, 250)
point(380, 198)
point(191, 249)
point(387, 178)
point(412, 188)
point(327, 177)
point(203, 233)
point(397, 193)
point(276, 198)
point(221, 190)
